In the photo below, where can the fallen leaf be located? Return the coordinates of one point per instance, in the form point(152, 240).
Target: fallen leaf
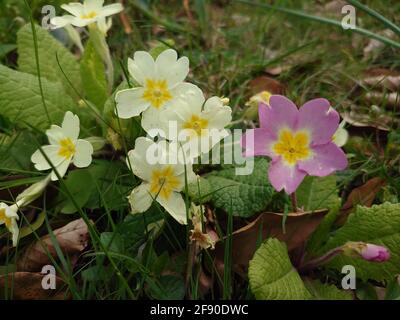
point(390, 99)
point(72, 239)
point(360, 118)
point(373, 46)
point(264, 83)
point(28, 286)
point(382, 78)
point(298, 227)
point(363, 195)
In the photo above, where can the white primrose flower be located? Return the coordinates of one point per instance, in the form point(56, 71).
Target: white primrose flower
point(9, 217)
point(160, 84)
point(81, 15)
point(162, 180)
point(64, 148)
point(196, 123)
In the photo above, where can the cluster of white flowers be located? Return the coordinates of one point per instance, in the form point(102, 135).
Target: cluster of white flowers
point(177, 112)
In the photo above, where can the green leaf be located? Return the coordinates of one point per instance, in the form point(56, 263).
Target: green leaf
point(317, 193)
point(168, 287)
point(6, 48)
point(48, 48)
point(20, 99)
point(32, 227)
point(200, 191)
point(112, 241)
point(272, 276)
point(16, 151)
point(79, 183)
point(248, 194)
point(379, 225)
point(321, 291)
point(93, 76)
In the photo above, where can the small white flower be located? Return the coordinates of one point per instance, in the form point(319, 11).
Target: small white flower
point(64, 148)
point(160, 84)
point(161, 182)
point(199, 123)
point(9, 217)
point(104, 25)
point(89, 12)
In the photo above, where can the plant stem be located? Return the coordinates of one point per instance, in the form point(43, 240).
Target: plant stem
point(293, 198)
point(312, 264)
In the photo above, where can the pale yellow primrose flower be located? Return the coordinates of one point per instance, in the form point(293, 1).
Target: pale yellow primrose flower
point(161, 182)
point(160, 84)
point(91, 11)
point(197, 127)
point(32, 193)
point(9, 217)
point(64, 148)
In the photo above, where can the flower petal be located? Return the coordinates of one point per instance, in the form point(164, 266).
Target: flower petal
point(51, 152)
point(74, 8)
point(129, 103)
point(151, 122)
point(285, 177)
point(170, 68)
point(83, 153)
point(137, 158)
point(327, 159)
point(320, 119)
point(218, 115)
point(93, 5)
point(70, 125)
point(140, 198)
point(55, 134)
point(141, 67)
point(175, 206)
point(60, 22)
point(61, 169)
point(258, 142)
point(262, 115)
point(111, 9)
point(282, 113)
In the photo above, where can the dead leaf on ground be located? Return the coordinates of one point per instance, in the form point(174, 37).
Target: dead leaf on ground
point(72, 239)
point(363, 195)
point(28, 286)
point(373, 47)
point(358, 117)
point(382, 78)
point(299, 227)
point(264, 83)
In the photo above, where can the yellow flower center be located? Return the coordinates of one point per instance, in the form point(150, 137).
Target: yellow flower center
point(4, 218)
point(90, 15)
point(196, 123)
point(163, 182)
point(156, 92)
point(293, 146)
point(67, 148)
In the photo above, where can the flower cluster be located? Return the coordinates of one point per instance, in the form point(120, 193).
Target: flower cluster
point(177, 112)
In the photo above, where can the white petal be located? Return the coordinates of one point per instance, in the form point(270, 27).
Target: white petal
point(14, 231)
point(70, 125)
point(188, 91)
point(140, 198)
point(111, 9)
point(171, 69)
point(151, 122)
point(175, 206)
point(129, 103)
point(83, 154)
point(60, 22)
point(61, 169)
point(74, 8)
point(137, 159)
point(55, 134)
point(51, 152)
point(218, 115)
point(93, 5)
point(141, 67)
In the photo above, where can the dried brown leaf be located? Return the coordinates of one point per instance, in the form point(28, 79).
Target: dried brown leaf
point(72, 239)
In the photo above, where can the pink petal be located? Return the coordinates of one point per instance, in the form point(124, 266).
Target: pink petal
point(285, 177)
point(376, 253)
point(262, 115)
point(327, 158)
point(281, 113)
point(318, 117)
point(258, 142)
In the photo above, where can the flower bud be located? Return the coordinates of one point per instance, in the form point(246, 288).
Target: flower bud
point(367, 251)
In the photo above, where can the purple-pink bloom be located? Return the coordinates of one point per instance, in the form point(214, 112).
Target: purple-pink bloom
point(372, 252)
point(298, 141)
